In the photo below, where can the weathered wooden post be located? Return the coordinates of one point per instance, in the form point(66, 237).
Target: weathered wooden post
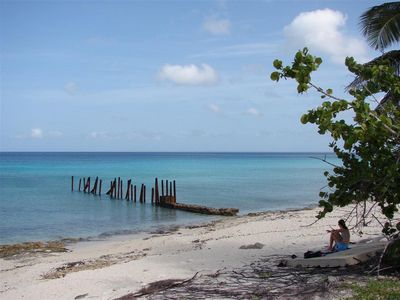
point(144, 193)
point(87, 187)
point(100, 187)
point(157, 195)
point(72, 183)
point(115, 188)
point(131, 192)
point(84, 184)
point(112, 188)
point(109, 192)
point(134, 194)
point(96, 183)
point(166, 187)
point(162, 187)
point(119, 187)
point(94, 190)
point(128, 188)
point(79, 186)
point(174, 190)
point(152, 195)
point(170, 188)
point(141, 194)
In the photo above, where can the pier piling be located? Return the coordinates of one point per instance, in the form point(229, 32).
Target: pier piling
point(156, 193)
point(131, 192)
point(167, 198)
point(128, 189)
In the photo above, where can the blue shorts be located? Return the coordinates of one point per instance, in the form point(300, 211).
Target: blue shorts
point(341, 246)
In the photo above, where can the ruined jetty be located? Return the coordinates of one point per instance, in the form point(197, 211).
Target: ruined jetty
point(167, 197)
point(170, 202)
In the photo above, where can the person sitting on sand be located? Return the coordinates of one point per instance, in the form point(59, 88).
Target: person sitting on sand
point(340, 236)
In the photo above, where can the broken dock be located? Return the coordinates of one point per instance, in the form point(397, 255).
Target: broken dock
point(167, 197)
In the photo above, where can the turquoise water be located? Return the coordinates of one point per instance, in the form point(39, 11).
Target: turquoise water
point(37, 203)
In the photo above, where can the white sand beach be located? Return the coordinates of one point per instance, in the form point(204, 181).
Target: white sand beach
point(121, 265)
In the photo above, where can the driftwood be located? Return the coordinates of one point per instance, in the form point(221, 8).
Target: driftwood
point(262, 279)
point(157, 286)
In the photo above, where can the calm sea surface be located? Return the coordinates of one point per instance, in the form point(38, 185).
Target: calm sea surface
point(36, 202)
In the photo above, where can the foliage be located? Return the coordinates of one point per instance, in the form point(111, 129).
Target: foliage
point(368, 146)
point(378, 289)
point(381, 25)
point(391, 258)
point(391, 57)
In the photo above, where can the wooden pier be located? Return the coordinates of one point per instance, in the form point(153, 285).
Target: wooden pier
point(167, 198)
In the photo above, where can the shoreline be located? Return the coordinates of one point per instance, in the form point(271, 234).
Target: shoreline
point(152, 228)
point(112, 268)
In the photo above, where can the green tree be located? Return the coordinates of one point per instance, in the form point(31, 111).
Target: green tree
point(381, 26)
point(368, 146)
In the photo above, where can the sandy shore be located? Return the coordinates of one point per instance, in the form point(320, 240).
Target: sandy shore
point(115, 267)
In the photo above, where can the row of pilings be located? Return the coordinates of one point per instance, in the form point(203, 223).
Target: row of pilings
point(116, 190)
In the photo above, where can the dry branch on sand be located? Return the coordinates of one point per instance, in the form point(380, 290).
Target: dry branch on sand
point(263, 279)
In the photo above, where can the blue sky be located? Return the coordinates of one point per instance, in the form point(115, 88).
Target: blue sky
point(167, 75)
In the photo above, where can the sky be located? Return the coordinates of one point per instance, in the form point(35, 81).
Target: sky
point(168, 75)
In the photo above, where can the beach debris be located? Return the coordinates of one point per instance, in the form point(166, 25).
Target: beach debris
point(261, 279)
point(81, 296)
point(93, 264)
point(252, 246)
point(157, 286)
point(7, 251)
point(167, 198)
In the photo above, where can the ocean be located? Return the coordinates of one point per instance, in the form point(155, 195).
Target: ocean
point(36, 201)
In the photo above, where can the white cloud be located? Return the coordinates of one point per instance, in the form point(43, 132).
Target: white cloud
point(189, 74)
point(254, 112)
point(217, 27)
point(71, 88)
point(214, 108)
point(322, 30)
point(36, 133)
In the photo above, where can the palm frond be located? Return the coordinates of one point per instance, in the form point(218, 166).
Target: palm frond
point(388, 98)
point(393, 57)
point(381, 25)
